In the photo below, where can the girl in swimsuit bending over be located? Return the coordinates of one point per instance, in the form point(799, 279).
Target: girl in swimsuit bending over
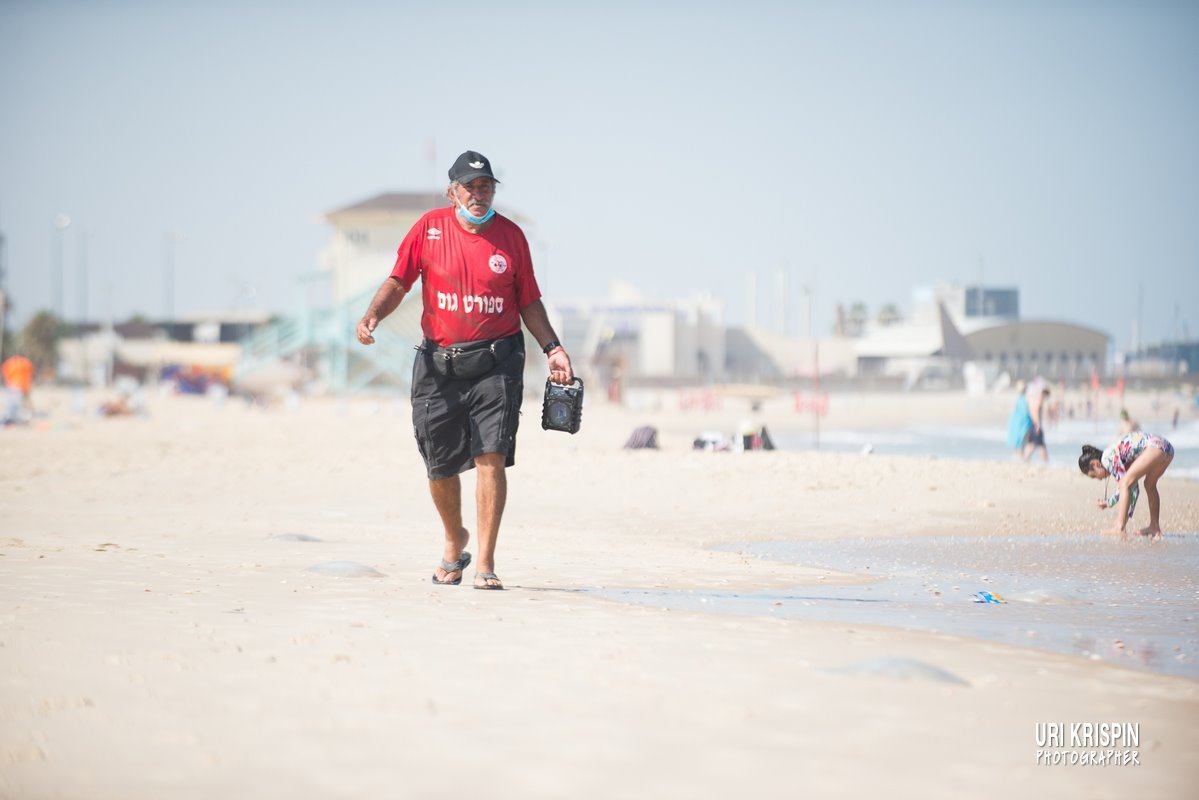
point(1137, 455)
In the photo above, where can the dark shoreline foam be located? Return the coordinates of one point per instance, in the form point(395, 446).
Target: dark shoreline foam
point(1130, 604)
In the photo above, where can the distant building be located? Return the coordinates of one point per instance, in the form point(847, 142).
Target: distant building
point(94, 353)
point(1053, 350)
point(227, 327)
point(627, 337)
point(366, 236)
point(755, 354)
point(975, 307)
point(951, 325)
point(1165, 360)
point(685, 341)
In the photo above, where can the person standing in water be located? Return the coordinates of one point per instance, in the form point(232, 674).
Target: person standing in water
point(1127, 423)
point(1020, 421)
point(1137, 455)
point(1037, 412)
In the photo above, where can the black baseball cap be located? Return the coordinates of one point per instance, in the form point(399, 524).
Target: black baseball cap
point(471, 165)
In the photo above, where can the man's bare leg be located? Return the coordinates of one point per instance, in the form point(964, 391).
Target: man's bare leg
point(447, 497)
point(491, 494)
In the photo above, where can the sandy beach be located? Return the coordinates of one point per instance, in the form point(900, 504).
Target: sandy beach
point(161, 634)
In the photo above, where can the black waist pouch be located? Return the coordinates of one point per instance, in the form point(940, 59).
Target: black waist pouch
point(470, 360)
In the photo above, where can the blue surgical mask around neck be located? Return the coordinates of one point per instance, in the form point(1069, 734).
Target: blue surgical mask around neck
point(471, 218)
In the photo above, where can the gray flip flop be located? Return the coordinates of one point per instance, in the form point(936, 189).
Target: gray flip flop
point(487, 576)
point(453, 566)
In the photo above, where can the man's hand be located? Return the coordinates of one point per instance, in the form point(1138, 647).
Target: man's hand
point(385, 301)
point(366, 327)
point(1101, 505)
point(559, 364)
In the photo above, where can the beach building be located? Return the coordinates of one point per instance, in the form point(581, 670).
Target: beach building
point(626, 338)
point(970, 308)
point(755, 354)
point(1165, 361)
point(319, 336)
point(95, 353)
point(952, 325)
point(948, 326)
point(1054, 350)
point(364, 238)
point(685, 342)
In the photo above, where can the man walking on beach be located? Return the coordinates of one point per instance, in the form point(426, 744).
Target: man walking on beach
point(467, 382)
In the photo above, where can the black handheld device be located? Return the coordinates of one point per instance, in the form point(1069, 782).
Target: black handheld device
point(562, 408)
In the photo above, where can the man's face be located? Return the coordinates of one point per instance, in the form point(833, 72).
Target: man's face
point(475, 196)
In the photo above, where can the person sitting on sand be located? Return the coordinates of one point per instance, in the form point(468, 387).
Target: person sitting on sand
point(1137, 455)
point(120, 407)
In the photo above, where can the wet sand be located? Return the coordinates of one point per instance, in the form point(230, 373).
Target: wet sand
point(1131, 603)
point(161, 633)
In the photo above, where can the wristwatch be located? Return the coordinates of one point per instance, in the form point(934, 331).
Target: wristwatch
point(550, 345)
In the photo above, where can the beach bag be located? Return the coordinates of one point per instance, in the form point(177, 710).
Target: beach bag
point(643, 438)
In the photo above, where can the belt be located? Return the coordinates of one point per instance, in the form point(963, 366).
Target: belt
point(501, 347)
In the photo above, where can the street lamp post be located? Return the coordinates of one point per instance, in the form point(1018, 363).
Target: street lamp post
point(3, 297)
point(84, 236)
point(173, 237)
point(61, 223)
point(807, 292)
point(80, 332)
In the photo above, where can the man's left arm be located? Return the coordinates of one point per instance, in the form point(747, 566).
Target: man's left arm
point(538, 322)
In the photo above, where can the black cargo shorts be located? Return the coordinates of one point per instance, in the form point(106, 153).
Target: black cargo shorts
point(456, 420)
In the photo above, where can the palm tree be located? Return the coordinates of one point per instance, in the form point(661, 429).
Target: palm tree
point(889, 315)
point(857, 318)
point(39, 341)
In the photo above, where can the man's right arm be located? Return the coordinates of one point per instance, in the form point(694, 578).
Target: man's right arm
point(385, 301)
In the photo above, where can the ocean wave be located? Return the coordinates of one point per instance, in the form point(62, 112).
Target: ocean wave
point(987, 443)
point(1189, 472)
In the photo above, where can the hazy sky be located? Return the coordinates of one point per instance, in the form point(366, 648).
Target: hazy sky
point(863, 147)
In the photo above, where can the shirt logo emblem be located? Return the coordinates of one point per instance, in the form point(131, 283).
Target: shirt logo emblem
point(434, 235)
point(498, 264)
point(476, 165)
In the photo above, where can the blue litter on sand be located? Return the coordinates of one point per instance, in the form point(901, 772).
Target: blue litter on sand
point(987, 597)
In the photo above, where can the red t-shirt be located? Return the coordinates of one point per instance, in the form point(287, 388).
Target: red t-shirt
point(474, 284)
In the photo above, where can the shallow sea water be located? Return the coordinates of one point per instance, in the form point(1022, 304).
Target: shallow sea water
point(986, 443)
point(1134, 604)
